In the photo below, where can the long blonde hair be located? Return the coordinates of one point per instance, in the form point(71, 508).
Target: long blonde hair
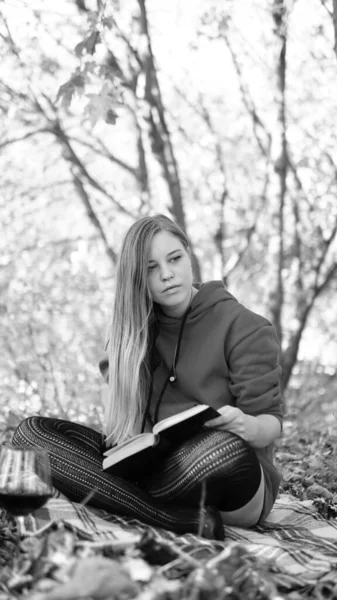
point(129, 336)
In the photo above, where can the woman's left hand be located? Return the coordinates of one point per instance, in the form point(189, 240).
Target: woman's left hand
point(234, 420)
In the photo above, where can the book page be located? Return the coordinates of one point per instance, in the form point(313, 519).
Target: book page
point(178, 418)
point(129, 448)
point(133, 440)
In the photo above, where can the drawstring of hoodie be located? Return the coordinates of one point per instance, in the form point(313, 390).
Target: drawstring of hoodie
point(172, 376)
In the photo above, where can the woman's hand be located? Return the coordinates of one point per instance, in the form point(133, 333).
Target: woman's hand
point(234, 420)
point(257, 431)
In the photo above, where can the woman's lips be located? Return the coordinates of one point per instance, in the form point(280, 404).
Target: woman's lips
point(171, 289)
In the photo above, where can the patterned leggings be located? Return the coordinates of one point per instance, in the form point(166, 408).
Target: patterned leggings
point(170, 497)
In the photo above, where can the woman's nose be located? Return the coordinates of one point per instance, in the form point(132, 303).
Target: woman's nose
point(166, 273)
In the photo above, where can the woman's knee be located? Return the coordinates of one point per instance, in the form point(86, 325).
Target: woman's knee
point(24, 433)
point(249, 514)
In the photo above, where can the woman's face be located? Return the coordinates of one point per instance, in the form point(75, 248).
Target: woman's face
point(169, 274)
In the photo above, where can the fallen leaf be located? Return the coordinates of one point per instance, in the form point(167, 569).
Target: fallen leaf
point(96, 577)
point(315, 490)
point(138, 569)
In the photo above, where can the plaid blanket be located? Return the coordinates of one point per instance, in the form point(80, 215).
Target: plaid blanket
point(301, 544)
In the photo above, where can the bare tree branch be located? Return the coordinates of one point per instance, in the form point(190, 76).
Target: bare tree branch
point(74, 159)
point(298, 245)
point(289, 357)
point(220, 235)
point(237, 257)
point(81, 6)
point(333, 14)
point(93, 216)
point(323, 2)
point(305, 304)
point(23, 137)
point(334, 18)
point(60, 242)
point(102, 150)
point(320, 262)
point(258, 125)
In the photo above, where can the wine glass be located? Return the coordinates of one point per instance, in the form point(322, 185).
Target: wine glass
point(25, 479)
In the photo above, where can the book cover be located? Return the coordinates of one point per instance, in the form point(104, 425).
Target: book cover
point(139, 455)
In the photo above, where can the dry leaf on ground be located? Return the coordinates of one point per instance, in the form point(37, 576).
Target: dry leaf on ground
point(96, 577)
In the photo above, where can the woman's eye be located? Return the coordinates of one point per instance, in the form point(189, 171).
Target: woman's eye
point(152, 267)
point(175, 258)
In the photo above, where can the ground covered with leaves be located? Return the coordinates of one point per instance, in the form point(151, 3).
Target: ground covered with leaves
point(60, 566)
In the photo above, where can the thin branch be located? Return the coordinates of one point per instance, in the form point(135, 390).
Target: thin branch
point(16, 53)
point(333, 15)
point(326, 246)
point(23, 137)
point(323, 2)
point(92, 216)
point(334, 18)
point(125, 38)
point(332, 162)
point(39, 188)
point(290, 355)
point(14, 93)
point(235, 259)
point(104, 151)
point(249, 104)
point(298, 245)
point(61, 242)
point(217, 144)
point(142, 172)
point(189, 103)
point(298, 181)
point(74, 159)
point(319, 288)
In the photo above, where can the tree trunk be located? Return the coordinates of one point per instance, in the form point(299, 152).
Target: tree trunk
point(276, 298)
point(157, 128)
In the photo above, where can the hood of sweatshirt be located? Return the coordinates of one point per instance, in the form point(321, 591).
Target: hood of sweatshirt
point(192, 327)
point(209, 295)
point(217, 353)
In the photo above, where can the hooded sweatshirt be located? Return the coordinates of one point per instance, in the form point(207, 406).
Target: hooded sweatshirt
point(219, 353)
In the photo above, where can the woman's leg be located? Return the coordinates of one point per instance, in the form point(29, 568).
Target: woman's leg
point(249, 514)
point(228, 467)
point(76, 464)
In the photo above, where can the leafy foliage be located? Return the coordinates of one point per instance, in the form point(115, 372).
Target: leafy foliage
point(68, 89)
point(198, 143)
point(104, 97)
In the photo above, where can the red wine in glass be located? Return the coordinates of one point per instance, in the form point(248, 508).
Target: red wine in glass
point(25, 479)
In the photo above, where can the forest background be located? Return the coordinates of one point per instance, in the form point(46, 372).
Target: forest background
point(222, 115)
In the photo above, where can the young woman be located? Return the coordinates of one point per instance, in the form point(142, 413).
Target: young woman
point(173, 343)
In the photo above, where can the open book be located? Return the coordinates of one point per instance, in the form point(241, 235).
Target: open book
point(131, 457)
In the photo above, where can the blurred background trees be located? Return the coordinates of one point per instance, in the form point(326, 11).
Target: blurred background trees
point(223, 116)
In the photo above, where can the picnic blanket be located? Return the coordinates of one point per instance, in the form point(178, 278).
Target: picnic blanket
point(296, 539)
